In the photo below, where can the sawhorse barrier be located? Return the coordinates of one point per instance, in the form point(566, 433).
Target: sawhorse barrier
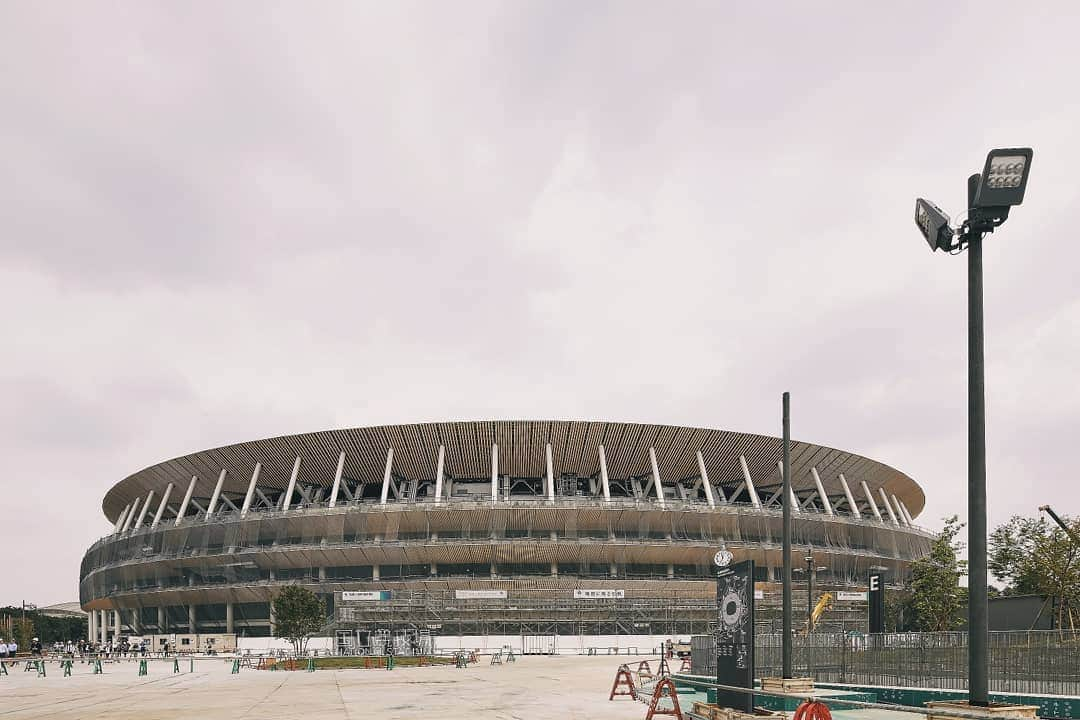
point(66, 665)
point(659, 694)
point(142, 667)
point(624, 684)
point(38, 665)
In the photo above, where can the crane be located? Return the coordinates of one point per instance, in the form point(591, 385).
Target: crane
point(1061, 523)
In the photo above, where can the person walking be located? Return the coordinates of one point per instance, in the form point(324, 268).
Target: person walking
point(3, 650)
point(13, 647)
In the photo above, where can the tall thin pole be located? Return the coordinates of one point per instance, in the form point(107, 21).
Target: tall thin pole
point(978, 630)
point(785, 493)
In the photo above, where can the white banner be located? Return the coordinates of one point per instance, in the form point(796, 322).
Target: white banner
point(850, 595)
point(349, 595)
point(759, 594)
point(599, 594)
point(480, 594)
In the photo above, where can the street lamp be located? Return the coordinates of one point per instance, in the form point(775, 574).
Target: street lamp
point(991, 194)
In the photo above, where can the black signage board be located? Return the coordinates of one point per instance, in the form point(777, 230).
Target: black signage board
point(876, 597)
point(735, 635)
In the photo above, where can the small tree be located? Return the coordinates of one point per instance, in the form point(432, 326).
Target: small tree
point(299, 614)
point(1034, 558)
point(936, 595)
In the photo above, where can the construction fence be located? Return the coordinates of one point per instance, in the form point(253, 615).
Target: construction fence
point(1020, 662)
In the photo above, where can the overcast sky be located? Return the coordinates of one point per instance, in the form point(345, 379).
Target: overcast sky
point(226, 221)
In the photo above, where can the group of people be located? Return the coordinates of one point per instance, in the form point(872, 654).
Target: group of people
point(10, 649)
point(82, 648)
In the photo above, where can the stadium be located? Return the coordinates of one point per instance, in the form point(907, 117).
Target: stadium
point(536, 530)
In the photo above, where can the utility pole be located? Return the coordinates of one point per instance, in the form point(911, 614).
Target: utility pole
point(978, 625)
point(785, 493)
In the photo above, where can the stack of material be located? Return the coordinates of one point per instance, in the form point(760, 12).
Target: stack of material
point(714, 712)
point(788, 685)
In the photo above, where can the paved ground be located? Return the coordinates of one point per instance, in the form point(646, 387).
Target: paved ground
point(533, 688)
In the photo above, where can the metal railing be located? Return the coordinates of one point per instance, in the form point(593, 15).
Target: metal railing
point(1034, 662)
point(563, 502)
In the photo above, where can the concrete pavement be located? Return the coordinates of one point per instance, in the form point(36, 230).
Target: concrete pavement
point(533, 688)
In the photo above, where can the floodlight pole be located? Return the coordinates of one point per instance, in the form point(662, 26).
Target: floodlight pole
point(978, 628)
point(785, 494)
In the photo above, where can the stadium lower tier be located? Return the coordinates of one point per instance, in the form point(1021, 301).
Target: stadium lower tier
point(521, 606)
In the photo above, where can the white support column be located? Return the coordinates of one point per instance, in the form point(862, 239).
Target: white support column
point(116, 626)
point(337, 480)
point(386, 475)
point(907, 513)
point(795, 506)
point(900, 512)
point(604, 484)
point(439, 474)
point(161, 506)
point(870, 496)
point(292, 485)
point(251, 490)
point(494, 473)
point(187, 500)
point(821, 492)
point(750, 489)
point(121, 518)
point(142, 513)
point(91, 625)
point(131, 515)
point(217, 493)
point(656, 476)
point(551, 473)
point(102, 626)
point(888, 506)
point(705, 480)
point(229, 622)
point(852, 505)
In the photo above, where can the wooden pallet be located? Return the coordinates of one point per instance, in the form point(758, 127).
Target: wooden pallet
point(788, 685)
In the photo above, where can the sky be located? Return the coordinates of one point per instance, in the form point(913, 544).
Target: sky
point(227, 221)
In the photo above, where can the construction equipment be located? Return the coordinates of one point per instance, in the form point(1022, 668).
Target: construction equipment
point(824, 603)
point(1061, 523)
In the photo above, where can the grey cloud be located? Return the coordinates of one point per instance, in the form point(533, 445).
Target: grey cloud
point(243, 220)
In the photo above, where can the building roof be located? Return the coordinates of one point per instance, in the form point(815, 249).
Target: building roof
point(521, 453)
point(72, 609)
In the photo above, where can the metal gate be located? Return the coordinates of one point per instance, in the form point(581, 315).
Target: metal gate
point(538, 645)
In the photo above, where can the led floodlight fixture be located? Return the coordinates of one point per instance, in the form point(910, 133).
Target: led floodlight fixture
point(933, 224)
point(1004, 178)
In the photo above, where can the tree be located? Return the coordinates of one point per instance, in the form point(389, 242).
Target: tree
point(299, 614)
point(1035, 558)
point(46, 628)
point(936, 595)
